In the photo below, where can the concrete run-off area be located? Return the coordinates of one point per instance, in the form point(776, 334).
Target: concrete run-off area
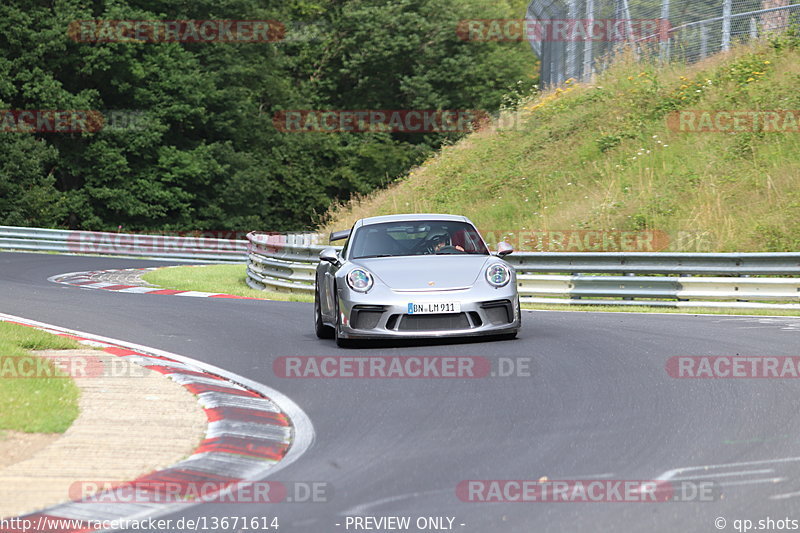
point(129, 424)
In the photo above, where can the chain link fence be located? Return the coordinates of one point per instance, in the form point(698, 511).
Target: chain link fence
point(578, 38)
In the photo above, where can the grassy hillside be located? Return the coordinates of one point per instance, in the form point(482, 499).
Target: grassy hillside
point(601, 156)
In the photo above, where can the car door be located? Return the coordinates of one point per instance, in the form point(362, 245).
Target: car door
point(326, 277)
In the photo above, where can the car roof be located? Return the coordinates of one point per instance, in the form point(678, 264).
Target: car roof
point(413, 217)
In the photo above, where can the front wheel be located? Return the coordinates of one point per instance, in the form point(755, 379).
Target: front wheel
point(322, 331)
point(340, 341)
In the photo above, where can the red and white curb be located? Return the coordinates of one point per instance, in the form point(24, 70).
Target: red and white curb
point(88, 280)
point(253, 431)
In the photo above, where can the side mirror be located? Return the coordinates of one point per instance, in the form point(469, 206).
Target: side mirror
point(330, 255)
point(503, 249)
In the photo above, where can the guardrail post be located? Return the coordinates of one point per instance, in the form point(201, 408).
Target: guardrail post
point(628, 274)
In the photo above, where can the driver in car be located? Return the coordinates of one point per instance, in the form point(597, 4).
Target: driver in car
point(445, 241)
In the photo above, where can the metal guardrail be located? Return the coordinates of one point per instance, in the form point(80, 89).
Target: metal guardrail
point(207, 250)
point(727, 264)
point(283, 262)
point(287, 262)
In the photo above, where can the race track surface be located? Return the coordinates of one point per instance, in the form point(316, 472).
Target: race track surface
point(599, 405)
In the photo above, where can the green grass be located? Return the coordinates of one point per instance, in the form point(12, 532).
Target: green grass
point(38, 404)
point(653, 309)
point(226, 279)
point(600, 156)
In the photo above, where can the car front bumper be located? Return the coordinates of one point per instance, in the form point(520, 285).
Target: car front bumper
point(384, 313)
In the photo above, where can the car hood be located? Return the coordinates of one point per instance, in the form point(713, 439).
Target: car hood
point(427, 272)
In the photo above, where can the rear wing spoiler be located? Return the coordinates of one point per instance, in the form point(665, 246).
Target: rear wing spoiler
point(339, 235)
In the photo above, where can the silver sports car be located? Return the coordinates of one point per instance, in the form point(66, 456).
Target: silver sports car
point(414, 276)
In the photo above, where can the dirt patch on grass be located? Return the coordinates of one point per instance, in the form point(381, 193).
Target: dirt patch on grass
point(16, 446)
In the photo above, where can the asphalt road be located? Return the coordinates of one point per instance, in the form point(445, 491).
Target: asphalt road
point(599, 405)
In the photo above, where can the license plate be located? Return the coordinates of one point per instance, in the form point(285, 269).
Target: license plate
point(431, 308)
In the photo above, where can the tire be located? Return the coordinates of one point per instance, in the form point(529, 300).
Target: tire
point(322, 331)
point(340, 341)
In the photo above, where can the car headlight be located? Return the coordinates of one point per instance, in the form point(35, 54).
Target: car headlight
point(359, 280)
point(498, 275)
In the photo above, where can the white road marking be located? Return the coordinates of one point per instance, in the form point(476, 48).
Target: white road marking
point(725, 474)
point(784, 496)
point(669, 474)
point(685, 474)
point(140, 290)
point(195, 294)
point(753, 481)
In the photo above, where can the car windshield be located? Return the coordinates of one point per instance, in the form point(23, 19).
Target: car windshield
point(426, 237)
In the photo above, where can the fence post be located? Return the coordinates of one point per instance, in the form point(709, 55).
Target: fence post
point(727, 8)
point(664, 18)
point(546, 60)
point(558, 50)
point(588, 46)
point(628, 21)
point(703, 41)
point(619, 11)
point(572, 59)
